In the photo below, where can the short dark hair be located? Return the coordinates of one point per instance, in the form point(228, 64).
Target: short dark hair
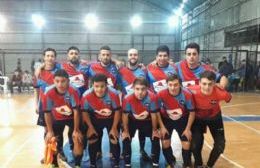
point(99, 78)
point(140, 81)
point(72, 48)
point(173, 77)
point(61, 73)
point(163, 48)
point(105, 48)
point(210, 75)
point(193, 45)
point(50, 49)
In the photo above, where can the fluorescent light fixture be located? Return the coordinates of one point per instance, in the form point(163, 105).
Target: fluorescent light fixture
point(38, 20)
point(136, 21)
point(173, 21)
point(91, 21)
point(2, 23)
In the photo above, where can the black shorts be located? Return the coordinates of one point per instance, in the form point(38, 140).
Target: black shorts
point(143, 126)
point(100, 124)
point(178, 125)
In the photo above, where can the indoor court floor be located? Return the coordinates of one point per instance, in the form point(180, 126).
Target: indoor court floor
point(21, 141)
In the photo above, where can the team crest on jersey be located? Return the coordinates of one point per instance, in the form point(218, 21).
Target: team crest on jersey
point(182, 102)
point(109, 102)
point(213, 102)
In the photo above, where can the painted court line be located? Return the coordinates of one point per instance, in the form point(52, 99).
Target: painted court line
point(248, 127)
point(242, 104)
point(225, 158)
point(18, 150)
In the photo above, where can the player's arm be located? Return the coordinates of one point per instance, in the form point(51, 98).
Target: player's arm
point(114, 129)
point(36, 95)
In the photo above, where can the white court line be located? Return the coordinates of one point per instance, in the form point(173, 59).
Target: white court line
point(239, 122)
point(242, 104)
point(10, 158)
point(225, 158)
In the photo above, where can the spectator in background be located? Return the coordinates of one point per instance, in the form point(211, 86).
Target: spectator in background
point(27, 80)
point(225, 68)
point(32, 65)
point(257, 76)
point(16, 80)
point(224, 59)
point(1, 73)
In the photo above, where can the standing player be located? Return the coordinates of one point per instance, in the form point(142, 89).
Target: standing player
point(190, 69)
point(77, 69)
point(43, 78)
point(128, 74)
point(106, 66)
point(140, 109)
point(60, 106)
point(101, 109)
point(208, 113)
point(177, 112)
point(158, 72)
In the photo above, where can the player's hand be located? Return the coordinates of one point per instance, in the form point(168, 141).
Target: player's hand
point(155, 134)
point(163, 132)
point(77, 136)
point(125, 135)
point(220, 86)
point(91, 132)
point(187, 134)
point(114, 133)
point(48, 136)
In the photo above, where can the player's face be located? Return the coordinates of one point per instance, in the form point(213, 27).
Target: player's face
point(49, 57)
point(73, 56)
point(100, 88)
point(133, 57)
point(105, 56)
point(162, 58)
point(61, 84)
point(174, 87)
point(140, 91)
point(192, 56)
point(206, 86)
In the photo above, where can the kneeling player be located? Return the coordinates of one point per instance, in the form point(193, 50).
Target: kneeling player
point(60, 104)
point(177, 112)
point(208, 113)
point(140, 113)
point(101, 109)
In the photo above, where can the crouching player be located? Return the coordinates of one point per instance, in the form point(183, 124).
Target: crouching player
point(208, 114)
point(60, 104)
point(140, 113)
point(101, 109)
point(177, 112)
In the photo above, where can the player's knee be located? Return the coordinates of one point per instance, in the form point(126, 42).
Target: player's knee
point(113, 141)
point(185, 145)
point(92, 141)
point(166, 143)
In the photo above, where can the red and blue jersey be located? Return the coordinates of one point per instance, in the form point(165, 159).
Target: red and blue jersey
point(128, 76)
point(78, 75)
point(192, 76)
point(157, 76)
point(207, 106)
point(61, 105)
point(101, 107)
point(110, 71)
point(43, 80)
point(175, 107)
point(140, 109)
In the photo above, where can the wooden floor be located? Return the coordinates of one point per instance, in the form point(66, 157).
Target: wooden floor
point(21, 141)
